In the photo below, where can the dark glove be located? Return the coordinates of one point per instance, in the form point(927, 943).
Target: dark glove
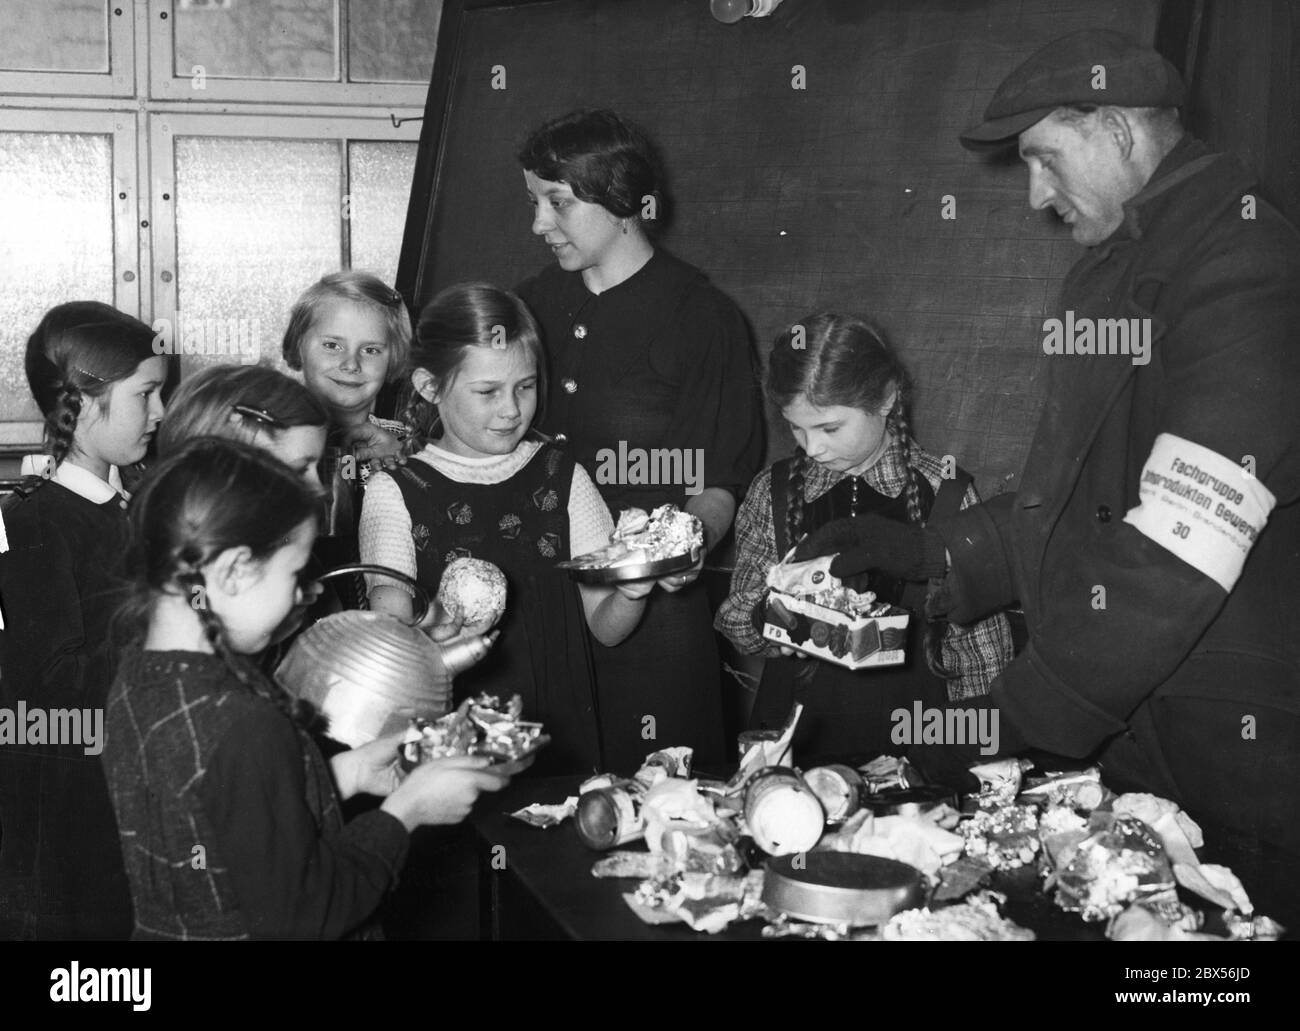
point(949, 764)
point(874, 542)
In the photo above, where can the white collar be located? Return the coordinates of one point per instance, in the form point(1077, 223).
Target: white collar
point(81, 482)
point(525, 449)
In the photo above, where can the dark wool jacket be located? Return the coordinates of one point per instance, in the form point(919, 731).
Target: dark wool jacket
point(1165, 671)
point(229, 820)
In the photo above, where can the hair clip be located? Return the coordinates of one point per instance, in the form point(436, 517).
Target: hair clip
point(79, 369)
point(262, 416)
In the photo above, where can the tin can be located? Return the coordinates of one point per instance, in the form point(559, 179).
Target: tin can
point(746, 740)
point(610, 816)
point(782, 813)
point(838, 788)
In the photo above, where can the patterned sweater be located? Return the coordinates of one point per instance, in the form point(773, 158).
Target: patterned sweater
point(229, 820)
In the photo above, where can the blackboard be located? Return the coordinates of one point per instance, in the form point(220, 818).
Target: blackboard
point(828, 197)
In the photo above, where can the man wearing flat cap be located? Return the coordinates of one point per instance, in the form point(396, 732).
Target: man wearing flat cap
point(1154, 542)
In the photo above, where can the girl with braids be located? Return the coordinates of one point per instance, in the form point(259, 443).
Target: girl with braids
point(483, 486)
point(97, 381)
point(844, 393)
point(263, 407)
point(229, 816)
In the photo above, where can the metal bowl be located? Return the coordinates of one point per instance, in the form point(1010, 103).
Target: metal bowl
point(368, 673)
point(841, 887)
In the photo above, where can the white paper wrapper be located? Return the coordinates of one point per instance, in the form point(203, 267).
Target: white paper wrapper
point(540, 815)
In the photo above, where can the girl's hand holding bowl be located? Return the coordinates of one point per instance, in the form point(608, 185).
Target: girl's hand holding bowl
point(676, 581)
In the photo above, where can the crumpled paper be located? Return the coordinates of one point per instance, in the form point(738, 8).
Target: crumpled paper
point(889, 773)
point(999, 781)
point(1181, 836)
point(1122, 861)
point(539, 815)
point(704, 902)
point(1158, 920)
point(918, 841)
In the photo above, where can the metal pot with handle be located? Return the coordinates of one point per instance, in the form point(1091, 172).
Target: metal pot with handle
point(370, 673)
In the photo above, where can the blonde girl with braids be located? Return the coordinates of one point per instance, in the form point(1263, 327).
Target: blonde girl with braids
point(204, 753)
point(97, 381)
point(844, 393)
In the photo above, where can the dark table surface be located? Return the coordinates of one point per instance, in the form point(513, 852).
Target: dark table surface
point(548, 872)
point(554, 869)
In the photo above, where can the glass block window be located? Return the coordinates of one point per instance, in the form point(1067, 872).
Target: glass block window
point(57, 243)
point(379, 187)
point(54, 36)
point(392, 40)
point(286, 39)
point(257, 222)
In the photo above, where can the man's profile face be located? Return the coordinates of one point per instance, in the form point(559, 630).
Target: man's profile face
point(1078, 171)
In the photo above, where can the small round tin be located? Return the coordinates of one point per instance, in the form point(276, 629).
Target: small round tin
point(838, 788)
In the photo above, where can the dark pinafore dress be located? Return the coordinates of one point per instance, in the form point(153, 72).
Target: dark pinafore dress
point(847, 712)
point(543, 654)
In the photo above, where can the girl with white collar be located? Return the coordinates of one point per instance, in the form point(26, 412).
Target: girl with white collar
point(97, 380)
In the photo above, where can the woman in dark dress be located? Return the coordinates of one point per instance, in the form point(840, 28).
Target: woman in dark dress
point(652, 380)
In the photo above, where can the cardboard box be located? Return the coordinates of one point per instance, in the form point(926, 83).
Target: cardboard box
point(854, 642)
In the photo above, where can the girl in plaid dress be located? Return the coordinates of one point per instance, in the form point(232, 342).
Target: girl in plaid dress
point(844, 393)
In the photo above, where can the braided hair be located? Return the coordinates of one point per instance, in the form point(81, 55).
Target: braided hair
point(833, 360)
point(77, 352)
point(208, 496)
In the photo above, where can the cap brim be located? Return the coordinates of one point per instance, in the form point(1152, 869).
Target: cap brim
point(1000, 132)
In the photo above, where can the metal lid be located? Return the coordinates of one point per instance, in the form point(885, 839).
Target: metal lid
point(841, 887)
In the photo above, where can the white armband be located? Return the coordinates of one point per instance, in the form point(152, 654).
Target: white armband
point(1205, 508)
